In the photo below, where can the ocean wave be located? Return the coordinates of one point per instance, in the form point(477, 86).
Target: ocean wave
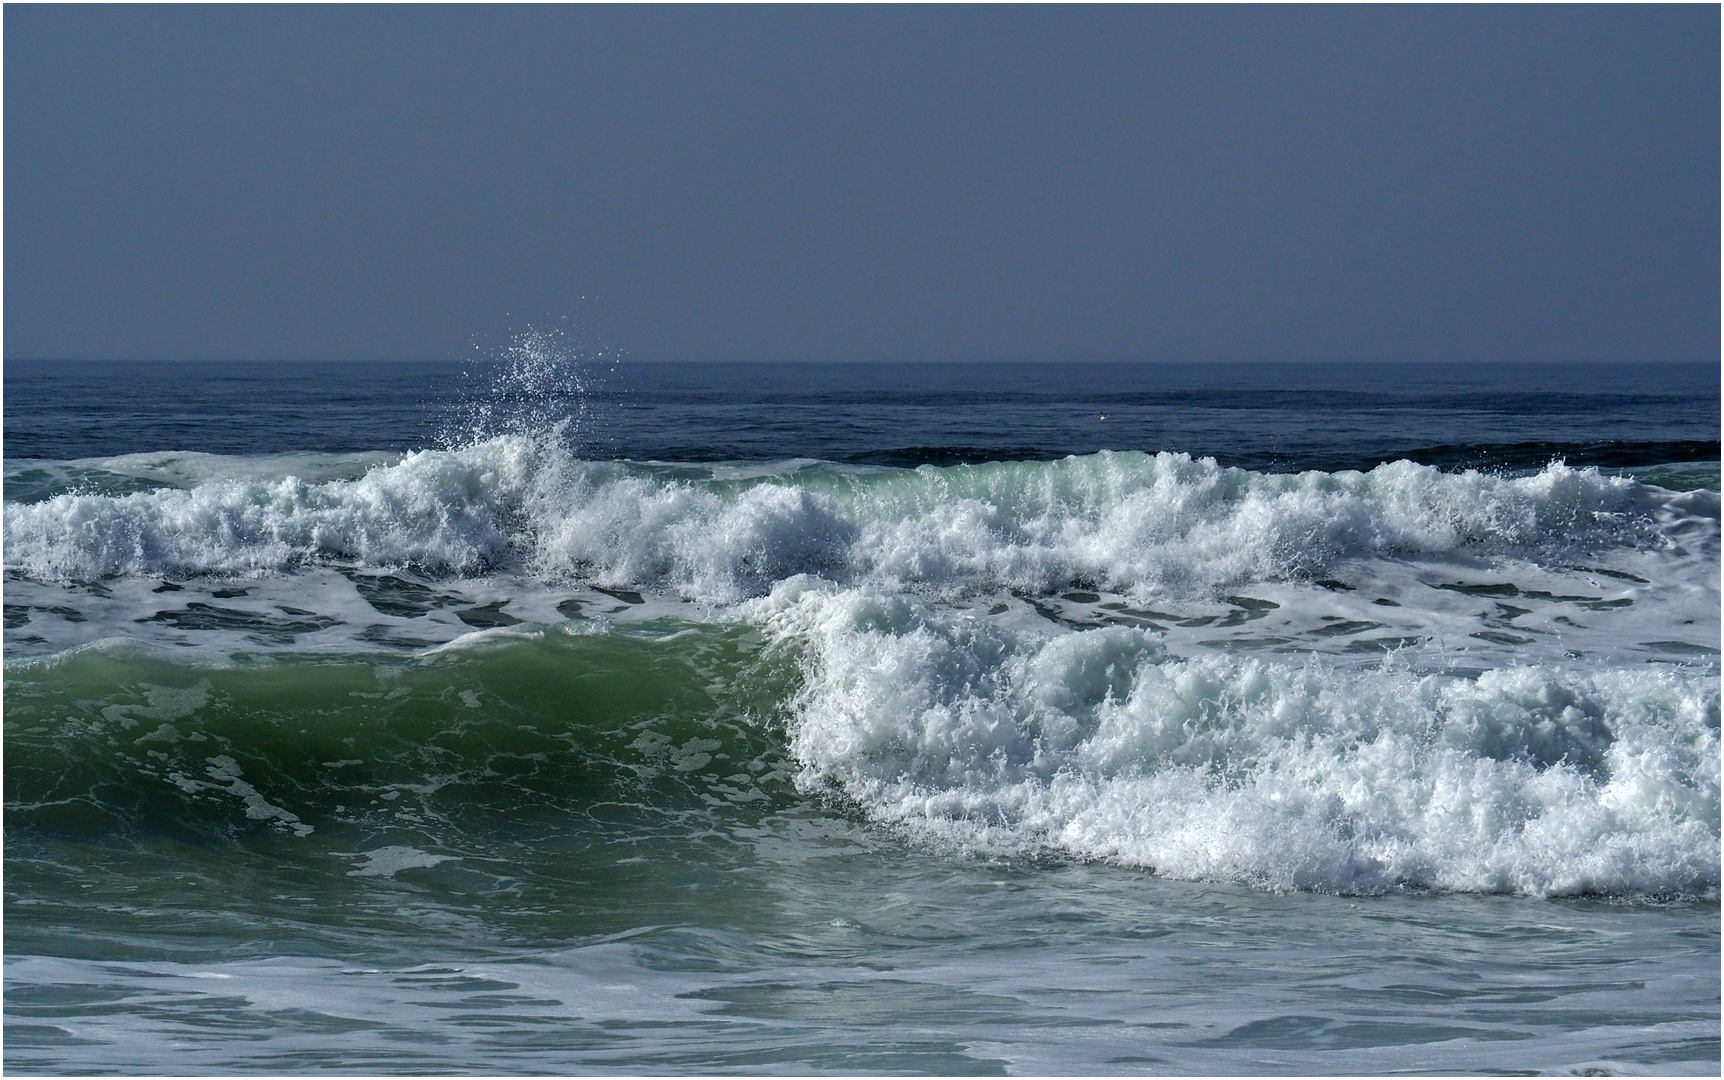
point(1100, 745)
point(123, 740)
point(1127, 521)
point(964, 732)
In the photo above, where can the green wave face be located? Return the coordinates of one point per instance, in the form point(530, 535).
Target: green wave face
point(568, 770)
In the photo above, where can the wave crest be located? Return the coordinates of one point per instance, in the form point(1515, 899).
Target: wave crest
point(1127, 521)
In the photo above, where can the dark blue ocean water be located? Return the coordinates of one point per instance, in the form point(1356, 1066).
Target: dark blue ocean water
point(1264, 416)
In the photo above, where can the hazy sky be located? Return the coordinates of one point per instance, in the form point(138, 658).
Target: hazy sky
point(843, 184)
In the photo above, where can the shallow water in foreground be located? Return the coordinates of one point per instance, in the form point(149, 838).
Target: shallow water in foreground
point(509, 758)
point(801, 942)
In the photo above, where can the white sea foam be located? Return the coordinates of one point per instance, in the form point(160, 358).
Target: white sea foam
point(1131, 522)
point(1100, 745)
point(386, 862)
point(484, 639)
point(443, 510)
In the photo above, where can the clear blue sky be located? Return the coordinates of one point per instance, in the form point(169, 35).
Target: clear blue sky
point(1385, 183)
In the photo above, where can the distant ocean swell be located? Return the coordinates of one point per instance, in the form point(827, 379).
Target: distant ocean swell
point(1131, 522)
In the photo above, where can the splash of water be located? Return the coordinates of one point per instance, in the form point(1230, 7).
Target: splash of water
point(542, 385)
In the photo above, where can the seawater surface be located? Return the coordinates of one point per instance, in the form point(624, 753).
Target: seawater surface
point(543, 716)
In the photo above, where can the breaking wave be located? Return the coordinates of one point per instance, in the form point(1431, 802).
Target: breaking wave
point(1126, 521)
point(1100, 745)
point(1593, 771)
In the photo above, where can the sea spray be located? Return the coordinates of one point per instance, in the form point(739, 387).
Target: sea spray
point(543, 385)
